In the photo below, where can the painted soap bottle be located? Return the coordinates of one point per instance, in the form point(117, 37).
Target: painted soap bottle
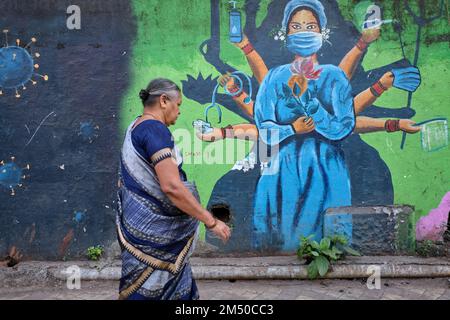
point(235, 24)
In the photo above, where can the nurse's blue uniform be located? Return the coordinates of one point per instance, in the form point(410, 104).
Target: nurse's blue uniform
point(308, 174)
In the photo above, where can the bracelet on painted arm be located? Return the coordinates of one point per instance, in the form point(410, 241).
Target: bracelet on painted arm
point(362, 45)
point(224, 131)
point(392, 125)
point(248, 48)
point(378, 89)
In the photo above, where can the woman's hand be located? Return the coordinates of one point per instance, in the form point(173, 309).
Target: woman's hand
point(303, 125)
point(407, 126)
point(221, 230)
point(387, 80)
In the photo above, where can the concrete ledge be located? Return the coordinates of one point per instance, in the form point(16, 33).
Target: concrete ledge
point(257, 268)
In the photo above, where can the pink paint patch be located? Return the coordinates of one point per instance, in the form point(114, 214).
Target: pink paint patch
point(433, 226)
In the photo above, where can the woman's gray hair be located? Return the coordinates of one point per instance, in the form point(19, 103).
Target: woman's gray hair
point(156, 88)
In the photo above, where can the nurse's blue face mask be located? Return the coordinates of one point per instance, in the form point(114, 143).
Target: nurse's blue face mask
point(304, 44)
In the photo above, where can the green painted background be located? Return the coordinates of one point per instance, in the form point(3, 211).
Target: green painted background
point(170, 32)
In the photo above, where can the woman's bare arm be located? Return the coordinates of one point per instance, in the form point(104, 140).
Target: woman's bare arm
point(171, 184)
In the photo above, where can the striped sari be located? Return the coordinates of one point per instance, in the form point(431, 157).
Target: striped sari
point(156, 238)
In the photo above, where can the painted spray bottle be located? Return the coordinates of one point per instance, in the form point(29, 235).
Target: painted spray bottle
point(374, 19)
point(235, 24)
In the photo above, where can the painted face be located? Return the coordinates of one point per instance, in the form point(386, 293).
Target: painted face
point(172, 108)
point(303, 21)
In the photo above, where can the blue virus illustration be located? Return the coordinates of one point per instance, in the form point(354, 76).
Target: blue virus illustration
point(88, 131)
point(79, 216)
point(17, 66)
point(11, 175)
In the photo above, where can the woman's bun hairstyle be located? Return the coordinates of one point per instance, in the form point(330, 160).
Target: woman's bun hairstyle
point(143, 94)
point(156, 88)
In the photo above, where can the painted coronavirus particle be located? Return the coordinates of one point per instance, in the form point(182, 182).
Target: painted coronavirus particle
point(11, 175)
point(18, 66)
point(88, 131)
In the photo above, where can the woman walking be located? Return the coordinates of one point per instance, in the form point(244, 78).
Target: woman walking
point(159, 210)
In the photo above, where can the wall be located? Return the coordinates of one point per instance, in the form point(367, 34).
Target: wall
point(69, 128)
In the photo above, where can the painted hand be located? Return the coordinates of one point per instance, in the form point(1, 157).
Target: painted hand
point(303, 125)
point(387, 80)
point(407, 126)
point(214, 135)
point(370, 35)
point(243, 43)
point(202, 127)
point(227, 81)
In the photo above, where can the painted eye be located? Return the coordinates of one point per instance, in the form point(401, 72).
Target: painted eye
point(296, 26)
point(311, 27)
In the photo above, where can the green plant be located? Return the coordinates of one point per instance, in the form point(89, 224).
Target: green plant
point(428, 248)
point(95, 252)
point(319, 256)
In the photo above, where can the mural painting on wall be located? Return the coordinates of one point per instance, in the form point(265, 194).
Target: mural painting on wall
point(67, 130)
point(11, 175)
point(17, 69)
point(272, 81)
point(17, 65)
point(313, 102)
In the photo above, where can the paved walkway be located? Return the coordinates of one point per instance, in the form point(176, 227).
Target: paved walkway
point(391, 289)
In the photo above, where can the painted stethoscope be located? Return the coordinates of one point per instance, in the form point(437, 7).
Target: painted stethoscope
point(205, 126)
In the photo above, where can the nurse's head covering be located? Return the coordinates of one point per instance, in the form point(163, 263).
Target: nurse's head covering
point(314, 5)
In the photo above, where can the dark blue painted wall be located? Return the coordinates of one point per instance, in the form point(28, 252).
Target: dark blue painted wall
point(74, 154)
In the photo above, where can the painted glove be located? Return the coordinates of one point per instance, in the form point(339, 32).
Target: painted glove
point(407, 79)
